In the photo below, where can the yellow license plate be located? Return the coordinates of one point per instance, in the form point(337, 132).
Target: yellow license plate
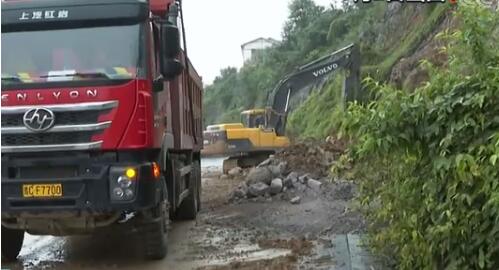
point(42, 190)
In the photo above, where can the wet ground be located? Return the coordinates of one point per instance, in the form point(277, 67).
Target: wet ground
point(264, 234)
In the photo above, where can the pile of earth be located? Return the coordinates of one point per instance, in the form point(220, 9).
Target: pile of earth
point(313, 157)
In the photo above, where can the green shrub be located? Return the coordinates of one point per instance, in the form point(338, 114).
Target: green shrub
point(429, 160)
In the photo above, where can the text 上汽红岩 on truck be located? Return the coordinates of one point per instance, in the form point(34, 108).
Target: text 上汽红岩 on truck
point(101, 120)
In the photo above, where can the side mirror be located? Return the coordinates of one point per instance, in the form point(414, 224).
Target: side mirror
point(170, 49)
point(171, 68)
point(170, 40)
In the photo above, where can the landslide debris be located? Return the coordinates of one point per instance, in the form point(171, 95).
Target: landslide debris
point(297, 172)
point(313, 157)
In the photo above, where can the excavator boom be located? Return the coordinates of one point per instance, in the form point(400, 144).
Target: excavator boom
point(346, 58)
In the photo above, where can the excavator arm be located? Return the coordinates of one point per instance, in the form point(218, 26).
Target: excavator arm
point(347, 58)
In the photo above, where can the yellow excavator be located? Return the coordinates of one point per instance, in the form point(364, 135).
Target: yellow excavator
point(244, 139)
point(262, 131)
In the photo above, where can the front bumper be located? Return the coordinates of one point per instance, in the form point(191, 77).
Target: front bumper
point(85, 180)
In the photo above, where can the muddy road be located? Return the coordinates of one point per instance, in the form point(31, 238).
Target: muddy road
point(261, 233)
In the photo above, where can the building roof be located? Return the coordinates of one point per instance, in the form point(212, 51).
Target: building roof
point(271, 40)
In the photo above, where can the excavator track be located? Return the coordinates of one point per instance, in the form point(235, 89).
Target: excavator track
point(245, 160)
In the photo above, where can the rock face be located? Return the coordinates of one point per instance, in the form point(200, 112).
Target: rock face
point(235, 171)
point(258, 189)
point(276, 186)
point(259, 174)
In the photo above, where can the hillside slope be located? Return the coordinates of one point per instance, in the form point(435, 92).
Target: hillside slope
point(388, 35)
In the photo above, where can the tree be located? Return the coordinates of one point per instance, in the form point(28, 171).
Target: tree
point(302, 14)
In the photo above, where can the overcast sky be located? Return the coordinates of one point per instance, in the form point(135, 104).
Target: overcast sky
point(215, 30)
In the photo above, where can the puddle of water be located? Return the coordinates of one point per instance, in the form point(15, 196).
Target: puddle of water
point(223, 247)
point(245, 253)
point(222, 217)
point(38, 249)
point(214, 162)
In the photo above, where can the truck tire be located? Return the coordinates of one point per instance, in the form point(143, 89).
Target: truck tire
point(12, 242)
point(156, 235)
point(188, 209)
point(197, 174)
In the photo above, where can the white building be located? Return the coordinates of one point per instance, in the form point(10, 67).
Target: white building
point(250, 49)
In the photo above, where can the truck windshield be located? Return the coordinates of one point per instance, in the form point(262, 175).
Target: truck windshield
point(97, 53)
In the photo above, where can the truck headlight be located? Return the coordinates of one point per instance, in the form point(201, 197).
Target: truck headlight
point(118, 192)
point(122, 183)
point(129, 193)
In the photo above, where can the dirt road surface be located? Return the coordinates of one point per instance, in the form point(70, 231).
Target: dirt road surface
point(269, 233)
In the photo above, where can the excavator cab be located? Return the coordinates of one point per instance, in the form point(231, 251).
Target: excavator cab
point(253, 118)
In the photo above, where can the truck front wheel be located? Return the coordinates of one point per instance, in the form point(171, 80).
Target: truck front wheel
point(156, 235)
point(12, 241)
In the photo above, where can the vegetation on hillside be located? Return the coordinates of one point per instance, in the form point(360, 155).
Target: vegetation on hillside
point(428, 161)
point(384, 32)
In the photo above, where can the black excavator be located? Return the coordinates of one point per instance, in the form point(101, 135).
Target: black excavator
point(264, 133)
point(347, 58)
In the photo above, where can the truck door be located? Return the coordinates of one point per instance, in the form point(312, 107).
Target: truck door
point(159, 98)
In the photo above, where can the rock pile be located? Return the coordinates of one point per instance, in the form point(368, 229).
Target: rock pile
point(273, 177)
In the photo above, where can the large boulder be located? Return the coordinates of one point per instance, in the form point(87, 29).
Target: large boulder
point(295, 200)
point(314, 184)
point(241, 191)
point(279, 169)
point(276, 186)
point(275, 170)
point(303, 179)
point(259, 174)
point(258, 189)
point(290, 180)
point(267, 162)
point(283, 166)
point(235, 171)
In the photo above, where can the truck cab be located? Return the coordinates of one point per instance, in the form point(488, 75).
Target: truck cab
point(101, 120)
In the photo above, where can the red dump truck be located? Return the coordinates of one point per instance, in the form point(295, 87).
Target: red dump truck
point(101, 120)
